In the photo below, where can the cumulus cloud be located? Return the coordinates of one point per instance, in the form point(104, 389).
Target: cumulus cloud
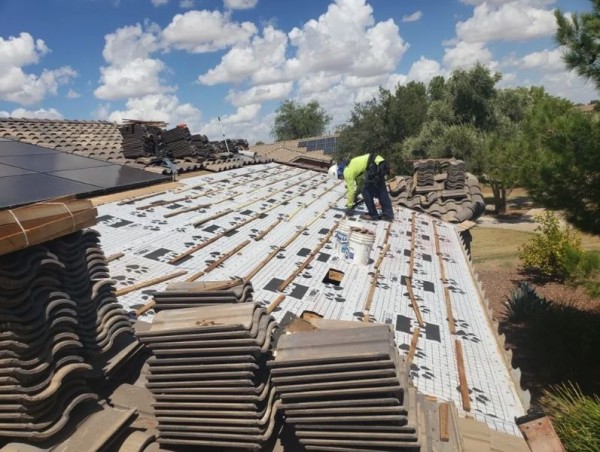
point(24, 88)
point(206, 31)
point(41, 113)
point(414, 17)
point(240, 4)
point(466, 54)
point(72, 94)
point(187, 4)
point(159, 107)
point(131, 71)
point(424, 69)
point(547, 60)
point(507, 21)
point(260, 93)
point(260, 59)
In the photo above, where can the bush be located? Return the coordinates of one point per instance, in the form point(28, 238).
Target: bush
point(554, 251)
point(524, 303)
point(576, 417)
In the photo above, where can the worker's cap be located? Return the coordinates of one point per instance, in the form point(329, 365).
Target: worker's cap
point(340, 170)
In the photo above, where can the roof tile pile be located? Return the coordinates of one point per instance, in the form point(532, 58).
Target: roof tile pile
point(192, 294)
point(208, 375)
point(346, 389)
point(441, 188)
point(61, 326)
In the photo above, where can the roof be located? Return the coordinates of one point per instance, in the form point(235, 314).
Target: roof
point(289, 151)
point(100, 140)
point(276, 226)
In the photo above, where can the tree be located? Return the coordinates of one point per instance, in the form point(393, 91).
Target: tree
point(293, 121)
point(382, 124)
point(580, 34)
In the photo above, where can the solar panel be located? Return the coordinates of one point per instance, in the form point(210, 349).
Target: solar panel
point(30, 173)
point(327, 145)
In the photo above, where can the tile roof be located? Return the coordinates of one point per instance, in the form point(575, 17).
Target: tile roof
point(101, 140)
point(289, 151)
point(441, 188)
point(276, 226)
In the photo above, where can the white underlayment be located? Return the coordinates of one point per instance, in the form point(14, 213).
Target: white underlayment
point(149, 241)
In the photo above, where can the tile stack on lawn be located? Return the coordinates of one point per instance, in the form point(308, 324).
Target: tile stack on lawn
point(42, 369)
point(203, 293)
point(209, 377)
point(346, 389)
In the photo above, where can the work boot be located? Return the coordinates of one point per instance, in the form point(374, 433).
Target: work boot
point(386, 218)
point(367, 217)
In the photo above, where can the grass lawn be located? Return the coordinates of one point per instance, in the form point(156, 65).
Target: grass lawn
point(497, 246)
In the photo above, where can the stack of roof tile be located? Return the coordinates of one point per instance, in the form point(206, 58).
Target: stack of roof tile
point(139, 139)
point(177, 142)
point(203, 293)
point(346, 389)
point(42, 369)
point(102, 325)
point(208, 375)
point(440, 188)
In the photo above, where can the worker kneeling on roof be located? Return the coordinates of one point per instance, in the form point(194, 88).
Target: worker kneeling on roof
point(366, 173)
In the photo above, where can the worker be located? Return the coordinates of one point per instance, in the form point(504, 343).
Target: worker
point(366, 174)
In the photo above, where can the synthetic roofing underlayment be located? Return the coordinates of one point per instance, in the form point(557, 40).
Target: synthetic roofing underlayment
point(275, 218)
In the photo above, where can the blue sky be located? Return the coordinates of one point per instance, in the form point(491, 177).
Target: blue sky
point(193, 60)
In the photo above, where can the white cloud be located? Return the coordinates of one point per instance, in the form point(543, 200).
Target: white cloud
point(24, 88)
point(538, 3)
point(414, 17)
point(257, 129)
point(187, 4)
point(424, 70)
point(102, 111)
point(131, 72)
point(240, 4)
point(160, 107)
point(466, 54)
point(206, 31)
point(243, 114)
point(507, 21)
point(72, 94)
point(548, 60)
point(346, 40)
point(41, 113)
point(261, 93)
point(157, 3)
point(260, 59)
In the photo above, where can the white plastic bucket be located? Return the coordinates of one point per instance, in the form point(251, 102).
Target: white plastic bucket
point(360, 245)
point(342, 234)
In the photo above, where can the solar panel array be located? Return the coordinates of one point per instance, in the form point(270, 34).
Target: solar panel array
point(327, 145)
point(30, 173)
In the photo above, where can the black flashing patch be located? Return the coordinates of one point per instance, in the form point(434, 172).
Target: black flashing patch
point(404, 280)
point(113, 222)
point(247, 212)
point(323, 257)
point(428, 286)
point(303, 252)
point(299, 291)
point(407, 253)
point(212, 228)
point(263, 215)
point(323, 231)
point(230, 233)
point(273, 285)
point(271, 200)
point(432, 332)
point(403, 324)
point(409, 233)
point(426, 257)
point(338, 215)
point(424, 237)
point(157, 254)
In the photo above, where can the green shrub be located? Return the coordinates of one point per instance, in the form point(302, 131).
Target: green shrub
point(576, 417)
point(554, 251)
point(524, 303)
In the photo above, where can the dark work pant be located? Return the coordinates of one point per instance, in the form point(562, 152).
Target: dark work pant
point(378, 190)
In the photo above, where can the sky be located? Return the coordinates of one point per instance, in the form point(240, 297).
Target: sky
point(195, 61)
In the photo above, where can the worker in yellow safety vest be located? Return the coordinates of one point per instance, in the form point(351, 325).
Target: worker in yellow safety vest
point(366, 174)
